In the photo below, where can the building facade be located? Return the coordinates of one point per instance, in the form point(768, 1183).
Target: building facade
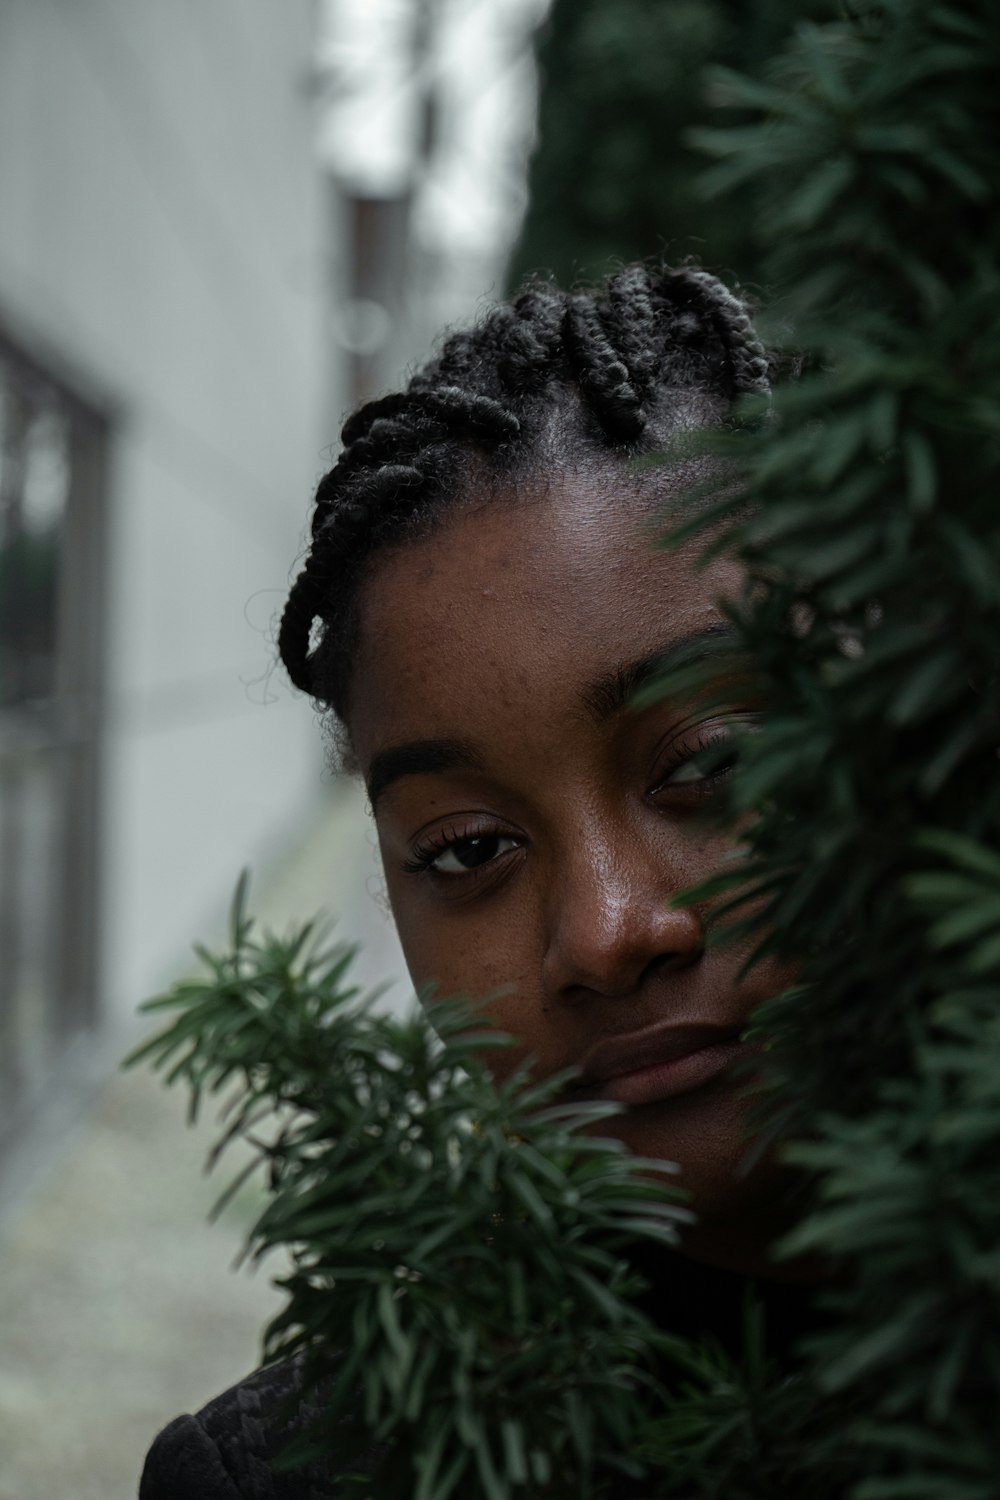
point(165, 390)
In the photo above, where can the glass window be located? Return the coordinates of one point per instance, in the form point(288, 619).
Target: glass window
point(52, 451)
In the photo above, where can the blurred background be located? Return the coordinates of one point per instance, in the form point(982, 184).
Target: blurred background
point(222, 224)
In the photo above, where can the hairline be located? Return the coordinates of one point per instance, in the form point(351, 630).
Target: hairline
point(521, 484)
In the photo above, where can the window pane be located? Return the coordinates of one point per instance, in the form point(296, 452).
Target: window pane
point(33, 490)
point(51, 500)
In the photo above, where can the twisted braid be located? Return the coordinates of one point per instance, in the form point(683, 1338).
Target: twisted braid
point(365, 489)
point(602, 373)
point(337, 527)
point(630, 297)
point(487, 398)
point(703, 301)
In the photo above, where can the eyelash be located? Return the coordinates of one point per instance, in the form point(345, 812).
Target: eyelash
point(435, 845)
point(694, 742)
point(684, 750)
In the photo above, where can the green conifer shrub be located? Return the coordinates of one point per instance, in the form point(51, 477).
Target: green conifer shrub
point(873, 541)
point(613, 176)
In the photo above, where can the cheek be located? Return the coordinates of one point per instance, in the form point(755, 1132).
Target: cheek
point(450, 948)
point(494, 957)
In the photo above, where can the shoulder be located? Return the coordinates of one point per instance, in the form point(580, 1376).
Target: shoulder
point(224, 1451)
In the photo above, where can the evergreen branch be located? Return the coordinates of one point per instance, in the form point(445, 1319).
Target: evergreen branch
point(467, 1244)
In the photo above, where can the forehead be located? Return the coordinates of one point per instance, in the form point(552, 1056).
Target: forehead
point(509, 607)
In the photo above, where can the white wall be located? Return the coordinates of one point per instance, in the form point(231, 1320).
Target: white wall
point(161, 230)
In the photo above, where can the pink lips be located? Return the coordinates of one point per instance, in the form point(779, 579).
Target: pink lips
point(642, 1067)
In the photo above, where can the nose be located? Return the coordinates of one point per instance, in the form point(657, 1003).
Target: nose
point(609, 921)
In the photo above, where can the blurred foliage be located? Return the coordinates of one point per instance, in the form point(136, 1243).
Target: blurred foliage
point(614, 176)
point(867, 519)
point(869, 527)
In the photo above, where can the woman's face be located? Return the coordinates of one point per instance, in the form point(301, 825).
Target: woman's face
point(534, 824)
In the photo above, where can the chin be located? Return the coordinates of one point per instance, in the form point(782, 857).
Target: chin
point(741, 1198)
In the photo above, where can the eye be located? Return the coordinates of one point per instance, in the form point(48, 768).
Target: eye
point(455, 852)
point(471, 853)
point(702, 764)
point(704, 755)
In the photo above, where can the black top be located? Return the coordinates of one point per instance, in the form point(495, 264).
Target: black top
point(225, 1452)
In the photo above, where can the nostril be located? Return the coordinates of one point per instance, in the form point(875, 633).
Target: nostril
point(669, 963)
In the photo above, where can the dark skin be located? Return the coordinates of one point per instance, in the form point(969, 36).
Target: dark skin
point(535, 824)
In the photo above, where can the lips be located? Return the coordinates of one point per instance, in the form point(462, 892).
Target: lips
point(642, 1067)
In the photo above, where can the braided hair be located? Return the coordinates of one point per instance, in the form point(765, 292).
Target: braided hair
point(611, 363)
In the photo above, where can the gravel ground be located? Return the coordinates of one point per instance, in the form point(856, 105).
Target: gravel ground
point(119, 1304)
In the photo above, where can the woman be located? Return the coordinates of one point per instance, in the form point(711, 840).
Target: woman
point(482, 600)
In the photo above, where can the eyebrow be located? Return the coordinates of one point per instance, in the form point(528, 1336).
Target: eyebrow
point(605, 697)
point(416, 758)
point(616, 689)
